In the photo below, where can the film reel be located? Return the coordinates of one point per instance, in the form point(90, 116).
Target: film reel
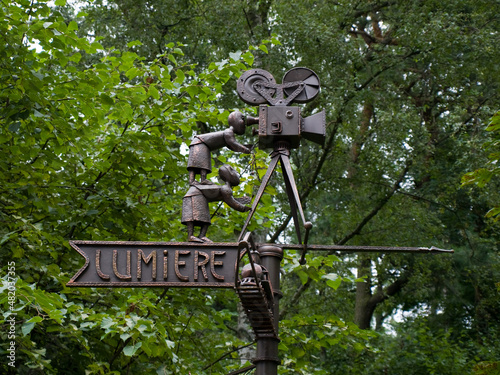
point(310, 80)
point(246, 82)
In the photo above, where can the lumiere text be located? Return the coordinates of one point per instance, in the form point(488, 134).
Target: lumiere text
point(188, 265)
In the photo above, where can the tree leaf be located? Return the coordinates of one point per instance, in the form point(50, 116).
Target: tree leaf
point(130, 350)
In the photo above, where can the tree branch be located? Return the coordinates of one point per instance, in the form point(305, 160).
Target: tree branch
point(378, 207)
point(389, 291)
point(226, 355)
point(296, 297)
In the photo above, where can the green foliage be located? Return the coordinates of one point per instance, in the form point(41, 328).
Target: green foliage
point(95, 152)
point(426, 352)
point(482, 176)
point(97, 107)
point(306, 340)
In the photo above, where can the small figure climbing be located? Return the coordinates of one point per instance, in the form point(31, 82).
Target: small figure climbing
point(200, 161)
point(195, 211)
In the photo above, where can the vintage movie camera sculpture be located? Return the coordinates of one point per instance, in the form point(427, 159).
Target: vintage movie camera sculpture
point(281, 126)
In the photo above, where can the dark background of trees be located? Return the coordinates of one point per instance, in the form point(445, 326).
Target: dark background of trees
point(93, 124)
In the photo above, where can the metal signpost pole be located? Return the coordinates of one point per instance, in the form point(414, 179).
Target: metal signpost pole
point(267, 359)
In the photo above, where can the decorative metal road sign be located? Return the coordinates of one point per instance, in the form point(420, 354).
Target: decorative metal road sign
point(156, 264)
point(202, 263)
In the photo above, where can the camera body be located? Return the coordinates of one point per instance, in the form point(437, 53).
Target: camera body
point(285, 124)
point(279, 124)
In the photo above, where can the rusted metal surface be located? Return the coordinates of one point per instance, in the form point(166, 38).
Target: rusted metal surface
point(309, 85)
point(200, 160)
point(282, 127)
point(366, 249)
point(267, 357)
point(246, 86)
point(256, 295)
point(156, 264)
point(281, 154)
point(259, 292)
point(254, 302)
point(279, 124)
point(195, 209)
point(279, 121)
point(257, 86)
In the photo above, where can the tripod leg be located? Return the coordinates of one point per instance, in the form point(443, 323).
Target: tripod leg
point(265, 181)
point(294, 197)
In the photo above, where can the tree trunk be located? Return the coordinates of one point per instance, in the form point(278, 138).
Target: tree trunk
point(366, 117)
point(363, 309)
point(245, 334)
point(366, 300)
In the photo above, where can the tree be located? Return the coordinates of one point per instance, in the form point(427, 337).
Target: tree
point(482, 176)
point(91, 151)
point(407, 87)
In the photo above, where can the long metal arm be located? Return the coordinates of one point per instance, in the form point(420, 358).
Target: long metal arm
point(365, 249)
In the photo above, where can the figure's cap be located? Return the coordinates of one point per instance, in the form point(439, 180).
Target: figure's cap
point(247, 271)
point(237, 121)
point(229, 174)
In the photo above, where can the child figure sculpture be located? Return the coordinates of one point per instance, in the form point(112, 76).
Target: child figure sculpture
point(195, 211)
point(200, 161)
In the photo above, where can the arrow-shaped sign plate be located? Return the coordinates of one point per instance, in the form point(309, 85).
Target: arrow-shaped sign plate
point(155, 264)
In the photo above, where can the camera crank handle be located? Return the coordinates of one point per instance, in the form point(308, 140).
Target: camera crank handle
point(250, 120)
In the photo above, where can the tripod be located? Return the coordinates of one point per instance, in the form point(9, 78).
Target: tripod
point(281, 153)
